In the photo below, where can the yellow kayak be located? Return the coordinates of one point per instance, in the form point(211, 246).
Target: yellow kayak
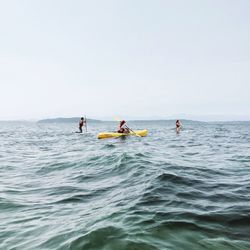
point(115, 134)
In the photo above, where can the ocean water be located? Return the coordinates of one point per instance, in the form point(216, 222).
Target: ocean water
point(62, 190)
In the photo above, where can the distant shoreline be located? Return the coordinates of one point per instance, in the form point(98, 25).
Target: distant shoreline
point(76, 120)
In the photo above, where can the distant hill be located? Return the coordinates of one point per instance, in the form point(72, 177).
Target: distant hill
point(168, 121)
point(65, 120)
point(76, 120)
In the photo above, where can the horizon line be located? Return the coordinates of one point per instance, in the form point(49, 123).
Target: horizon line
point(247, 119)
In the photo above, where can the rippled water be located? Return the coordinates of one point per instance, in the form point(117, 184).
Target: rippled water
point(61, 190)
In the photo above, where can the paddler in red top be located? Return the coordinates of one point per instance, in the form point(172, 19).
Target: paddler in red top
point(81, 124)
point(122, 128)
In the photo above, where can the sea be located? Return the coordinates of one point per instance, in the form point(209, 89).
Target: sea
point(64, 190)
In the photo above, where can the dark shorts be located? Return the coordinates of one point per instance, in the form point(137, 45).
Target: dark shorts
point(121, 130)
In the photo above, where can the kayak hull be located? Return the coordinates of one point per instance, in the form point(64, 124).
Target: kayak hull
point(115, 134)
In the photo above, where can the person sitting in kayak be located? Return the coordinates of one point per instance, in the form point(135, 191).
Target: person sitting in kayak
point(81, 124)
point(122, 128)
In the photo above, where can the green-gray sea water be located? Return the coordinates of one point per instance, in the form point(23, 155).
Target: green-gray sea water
point(62, 190)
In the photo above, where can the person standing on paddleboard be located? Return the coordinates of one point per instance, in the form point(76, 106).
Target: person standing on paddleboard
point(81, 124)
point(178, 126)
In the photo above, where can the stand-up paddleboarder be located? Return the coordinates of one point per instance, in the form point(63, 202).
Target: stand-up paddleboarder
point(82, 123)
point(178, 126)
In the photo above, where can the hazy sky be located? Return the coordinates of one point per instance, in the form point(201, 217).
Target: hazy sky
point(133, 58)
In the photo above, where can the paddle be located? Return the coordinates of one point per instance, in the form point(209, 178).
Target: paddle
point(118, 120)
point(86, 124)
point(131, 130)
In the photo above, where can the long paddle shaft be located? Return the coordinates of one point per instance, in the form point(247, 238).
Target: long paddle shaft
point(86, 124)
point(131, 130)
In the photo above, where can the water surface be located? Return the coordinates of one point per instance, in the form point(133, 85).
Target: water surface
point(62, 190)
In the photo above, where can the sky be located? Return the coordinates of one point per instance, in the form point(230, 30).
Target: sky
point(133, 59)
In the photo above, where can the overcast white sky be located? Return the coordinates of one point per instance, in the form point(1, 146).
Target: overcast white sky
point(133, 58)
